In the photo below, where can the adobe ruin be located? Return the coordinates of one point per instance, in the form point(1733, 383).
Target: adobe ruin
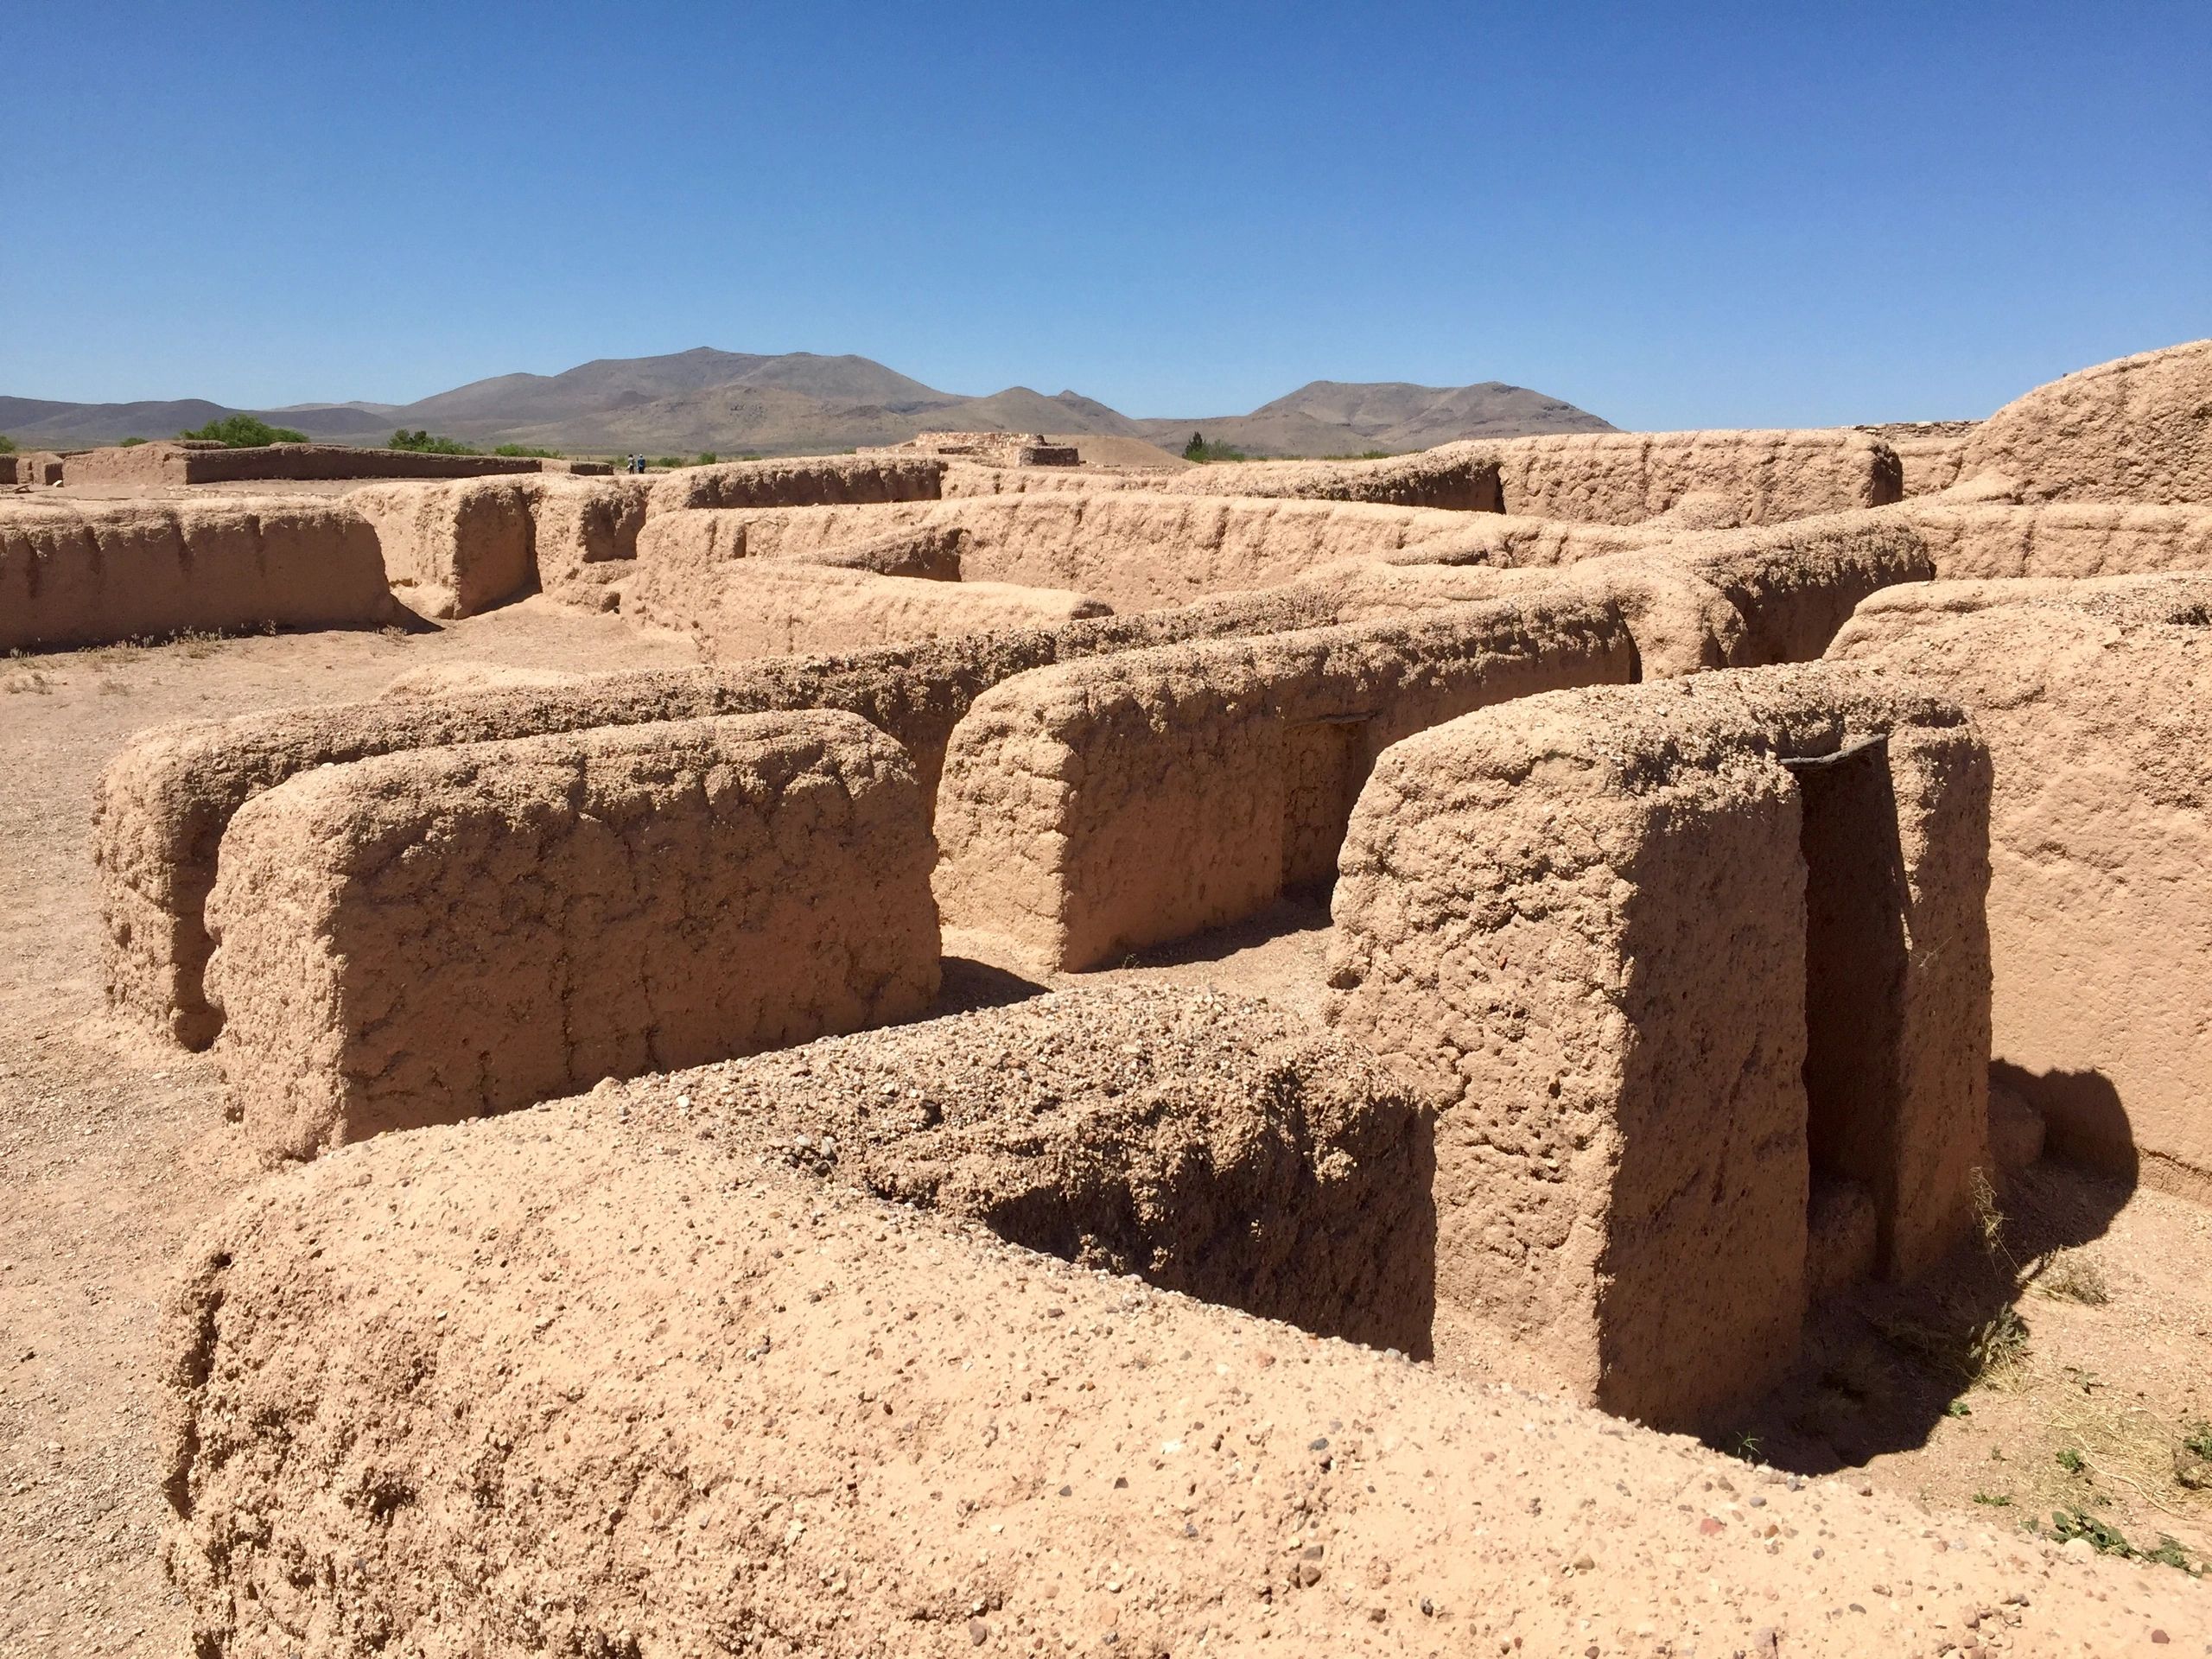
point(1707, 822)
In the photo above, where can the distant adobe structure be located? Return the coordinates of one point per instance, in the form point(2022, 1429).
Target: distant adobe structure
point(993, 448)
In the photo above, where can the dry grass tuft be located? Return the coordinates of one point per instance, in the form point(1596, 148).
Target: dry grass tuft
point(2074, 1276)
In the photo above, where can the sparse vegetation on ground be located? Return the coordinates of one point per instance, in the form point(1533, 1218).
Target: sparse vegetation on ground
point(521, 451)
point(130, 443)
point(7, 444)
point(2074, 1276)
point(244, 432)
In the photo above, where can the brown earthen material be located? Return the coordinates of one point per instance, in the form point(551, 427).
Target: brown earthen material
point(429, 937)
point(445, 679)
point(37, 468)
point(163, 804)
point(455, 549)
point(1456, 477)
point(554, 1384)
point(800, 482)
point(1762, 477)
point(2093, 698)
point(75, 574)
point(1586, 919)
point(1210, 1144)
point(1094, 808)
point(1929, 452)
point(2137, 429)
point(154, 465)
point(771, 608)
point(1966, 539)
point(1136, 550)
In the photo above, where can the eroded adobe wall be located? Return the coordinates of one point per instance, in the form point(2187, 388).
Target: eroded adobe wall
point(1095, 808)
point(1747, 478)
point(800, 481)
point(429, 937)
point(1454, 477)
point(456, 549)
point(1208, 1144)
point(1582, 920)
point(771, 608)
point(2091, 696)
point(2137, 429)
point(160, 464)
point(1970, 539)
point(1795, 584)
point(163, 804)
point(82, 574)
point(622, 1394)
point(1136, 551)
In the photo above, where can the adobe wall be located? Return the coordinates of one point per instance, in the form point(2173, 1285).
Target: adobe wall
point(2138, 428)
point(154, 465)
point(453, 550)
point(1583, 920)
point(1754, 478)
point(163, 804)
point(771, 608)
point(1091, 809)
point(1736, 598)
point(623, 1394)
point(2092, 696)
point(1208, 1144)
point(85, 573)
point(1136, 551)
point(429, 937)
point(1795, 584)
point(805, 481)
point(1454, 477)
point(38, 467)
point(1967, 539)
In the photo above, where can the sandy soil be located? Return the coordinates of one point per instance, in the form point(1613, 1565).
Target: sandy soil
point(113, 1149)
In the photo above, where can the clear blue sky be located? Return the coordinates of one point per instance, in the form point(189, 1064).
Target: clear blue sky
point(1673, 215)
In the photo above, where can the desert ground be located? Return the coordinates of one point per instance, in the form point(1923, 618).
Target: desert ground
point(1437, 1111)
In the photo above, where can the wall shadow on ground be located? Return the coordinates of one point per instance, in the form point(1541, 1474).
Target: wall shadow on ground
point(969, 985)
point(1880, 1364)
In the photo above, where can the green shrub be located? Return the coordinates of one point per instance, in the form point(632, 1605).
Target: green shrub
point(670, 461)
point(244, 432)
point(521, 451)
point(423, 443)
point(707, 458)
point(1199, 450)
point(130, 443)
point(7, 444)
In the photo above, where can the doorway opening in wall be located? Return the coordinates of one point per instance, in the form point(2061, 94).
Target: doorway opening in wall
point(1325, 764)
point(1856, 943)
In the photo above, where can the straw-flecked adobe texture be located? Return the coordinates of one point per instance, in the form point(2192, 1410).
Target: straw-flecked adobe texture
point(430, 936)
point(2137, 429)
point(89, 573)
point(1586, 919)
point(1094, 808)
point(2092, 696)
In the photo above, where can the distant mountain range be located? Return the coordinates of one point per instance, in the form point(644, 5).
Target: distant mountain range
point(798, 403)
